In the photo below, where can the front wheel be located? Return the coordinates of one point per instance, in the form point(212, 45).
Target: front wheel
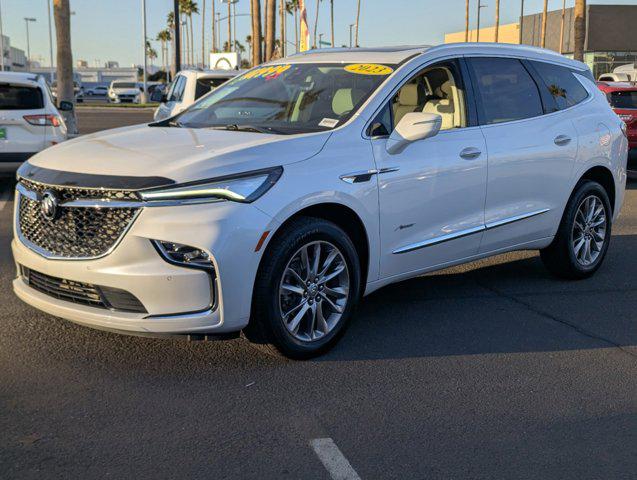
point(582, 239)
point(306, 289)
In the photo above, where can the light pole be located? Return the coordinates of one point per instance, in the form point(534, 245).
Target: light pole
point(478, 21)
point(145, 51)
point(521, 19)
point(320, 40)
point(48, 5)
point(351, 25)
point(28, 20)
point(1, 41)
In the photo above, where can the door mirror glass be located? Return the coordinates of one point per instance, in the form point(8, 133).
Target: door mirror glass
point(412, 127)
point(65, 106)
point(157, 96)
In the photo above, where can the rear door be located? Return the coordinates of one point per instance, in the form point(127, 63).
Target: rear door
point(532, 149)
point(19, 102)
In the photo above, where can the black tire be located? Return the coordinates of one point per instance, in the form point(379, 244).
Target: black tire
point(559, 257)
point(266, 329)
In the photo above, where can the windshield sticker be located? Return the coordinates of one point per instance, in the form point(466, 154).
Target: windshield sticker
point(328, 122)
point(369, 69)
point(267, 73)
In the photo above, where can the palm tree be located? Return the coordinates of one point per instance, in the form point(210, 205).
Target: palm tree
point(164, 36)
point(579, 29)
point(62, 18)
point(292, 7)
point(332, 20)
point(283, 29)
point(318, 4)
point(466, 21)
point(188, 8)
point(497, 19)
point(249, 44)
point(203, 34)
point(170, 22)
point(270, 28)
point(544, 11)
point(255, 11)
point(150, 52)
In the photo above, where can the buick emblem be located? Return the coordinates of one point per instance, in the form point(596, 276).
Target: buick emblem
point(49, 205)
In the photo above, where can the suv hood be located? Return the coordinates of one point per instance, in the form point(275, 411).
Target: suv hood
point(180, 154)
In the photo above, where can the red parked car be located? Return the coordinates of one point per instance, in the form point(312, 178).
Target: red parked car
point(622, 97)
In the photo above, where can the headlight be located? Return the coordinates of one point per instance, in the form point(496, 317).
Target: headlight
point(245, 188)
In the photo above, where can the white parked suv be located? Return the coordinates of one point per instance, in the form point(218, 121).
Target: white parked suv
point(29, 119)
point(124, 91)
point(276, 202)
point(188, 87)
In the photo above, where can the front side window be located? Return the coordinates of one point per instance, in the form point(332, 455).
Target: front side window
point(561, 83)
point(437, 89)
point(623, 99)
point(504, 90)
point(20, 97)
point(289, 98)
point(205, 85)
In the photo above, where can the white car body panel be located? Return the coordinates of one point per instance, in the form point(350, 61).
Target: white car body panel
point(430, 191)
point(188, 97)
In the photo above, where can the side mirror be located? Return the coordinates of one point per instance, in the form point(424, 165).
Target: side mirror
point(65, 106)
point(157, 96)
point(411, 128)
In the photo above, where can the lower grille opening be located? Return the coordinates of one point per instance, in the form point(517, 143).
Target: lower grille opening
point(83, 293)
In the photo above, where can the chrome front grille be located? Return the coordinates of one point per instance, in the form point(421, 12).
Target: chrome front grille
point(88, 223)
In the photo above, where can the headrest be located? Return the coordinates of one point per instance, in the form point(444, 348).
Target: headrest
point(342, 101)
point(444, 90)
point(408, 95)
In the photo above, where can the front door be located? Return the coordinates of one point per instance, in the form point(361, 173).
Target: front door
point(431, 194)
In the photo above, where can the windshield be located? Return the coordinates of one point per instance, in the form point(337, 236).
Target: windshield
point(293, 98)
point(124, 85)
point(624, 99)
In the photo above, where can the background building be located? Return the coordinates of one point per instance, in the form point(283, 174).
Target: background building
point(611, 35)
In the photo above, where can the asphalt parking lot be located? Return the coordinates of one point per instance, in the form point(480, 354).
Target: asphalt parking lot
point(492, 370)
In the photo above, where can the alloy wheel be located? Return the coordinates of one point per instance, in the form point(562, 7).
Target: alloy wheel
point(589, 230)
point(314, 290)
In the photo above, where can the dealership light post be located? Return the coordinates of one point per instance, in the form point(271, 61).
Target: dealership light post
point(177, 35)
point(478, 20)
point(28, 20)
point(1, 41)
point(145, 52)
point(48, 5)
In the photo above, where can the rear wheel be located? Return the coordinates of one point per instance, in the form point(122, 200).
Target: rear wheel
point(306, 289)
point(583, 235)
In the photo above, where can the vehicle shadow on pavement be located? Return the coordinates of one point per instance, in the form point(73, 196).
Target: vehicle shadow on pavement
point(515, 306)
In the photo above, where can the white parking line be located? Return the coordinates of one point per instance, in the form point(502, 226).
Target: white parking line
point(333, 460)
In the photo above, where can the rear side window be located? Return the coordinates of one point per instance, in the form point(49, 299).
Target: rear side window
point(20, 97)
point(562, 85)
point(504, 90)
point(623, 99)
point(205, 85)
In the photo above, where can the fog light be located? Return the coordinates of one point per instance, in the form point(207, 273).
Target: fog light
point(183, 255)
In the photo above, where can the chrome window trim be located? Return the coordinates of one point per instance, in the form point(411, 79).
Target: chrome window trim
point(470, 231)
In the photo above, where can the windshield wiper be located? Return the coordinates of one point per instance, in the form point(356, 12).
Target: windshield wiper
point(251, 128)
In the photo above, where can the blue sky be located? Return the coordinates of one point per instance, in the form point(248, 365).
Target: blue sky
point(112, 29)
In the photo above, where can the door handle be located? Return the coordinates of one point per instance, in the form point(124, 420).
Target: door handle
point(470, 153)
point(562, 140)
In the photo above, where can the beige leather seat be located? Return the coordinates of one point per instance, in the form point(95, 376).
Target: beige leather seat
point(407, 101)
point(444, 107)
point(345, 99)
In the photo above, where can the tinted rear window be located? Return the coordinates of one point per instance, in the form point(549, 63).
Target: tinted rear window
point(565, 89)
point(623, 99)
point(18, 97)
point(505, 90)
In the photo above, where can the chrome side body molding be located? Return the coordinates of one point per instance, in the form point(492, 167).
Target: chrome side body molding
point(470, 231)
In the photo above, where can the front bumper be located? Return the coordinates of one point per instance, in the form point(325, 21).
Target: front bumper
point(178, 300)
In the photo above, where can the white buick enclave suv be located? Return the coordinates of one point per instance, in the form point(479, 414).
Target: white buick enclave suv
point(273, 204)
